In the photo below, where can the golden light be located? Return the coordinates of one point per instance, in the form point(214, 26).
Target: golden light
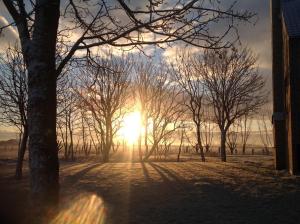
point(130, 131)
point(83, 209)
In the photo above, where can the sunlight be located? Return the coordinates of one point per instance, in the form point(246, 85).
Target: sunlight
point(132, 125)
point(84, 209)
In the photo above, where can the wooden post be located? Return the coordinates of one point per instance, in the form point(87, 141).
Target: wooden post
point(278, 88)
point(292, 71)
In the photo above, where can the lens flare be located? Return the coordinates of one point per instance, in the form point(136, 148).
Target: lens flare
point(84, 209)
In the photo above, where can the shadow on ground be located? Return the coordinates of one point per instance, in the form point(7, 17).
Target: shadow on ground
point(190, 192)
point(187, 192)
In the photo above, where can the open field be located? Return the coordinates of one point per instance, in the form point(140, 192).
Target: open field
point(243, 190)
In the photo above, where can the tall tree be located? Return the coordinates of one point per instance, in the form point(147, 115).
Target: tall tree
point(233, 85)
point(37, 32)
point(93, 24)
point(67, 115)
point(104, 85)
point(264, 123)
point(193, 92)
point(231, 139)
point(143, 84)
point(208, 127)
point(245, 123)
point(13, 98)
point(165, 109)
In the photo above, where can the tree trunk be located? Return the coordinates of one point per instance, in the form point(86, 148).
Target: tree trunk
point(244, 148)
point(108, 140)
point(21, 153)
point(180, 146)
point(66, 139)
point(223, 146)
point(207, 148)
point(140, 147)
point(200, 143)
point(153, 149)
point(106, 155)
point(140, 142)
point(71, 147)
point(146, 135)
point(43, 150)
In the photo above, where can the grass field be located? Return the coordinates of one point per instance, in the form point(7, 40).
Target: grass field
point(246, 189)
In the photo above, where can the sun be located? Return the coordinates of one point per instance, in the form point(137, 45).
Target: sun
point(130, 130)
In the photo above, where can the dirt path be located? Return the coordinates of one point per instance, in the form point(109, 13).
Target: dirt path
point(241, 191)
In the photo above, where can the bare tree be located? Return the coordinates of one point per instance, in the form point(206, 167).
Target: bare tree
point(13, 98)
point(143, 84)
point(115, 23)
point(86, 133)
point(245, 123)
point(265, 129)
point(165, 110)
point(231, 140)
point(103, 90)
point(193, 92)
point(233, 85)
point(67, 116)
point(208, 127)
point(182, 134)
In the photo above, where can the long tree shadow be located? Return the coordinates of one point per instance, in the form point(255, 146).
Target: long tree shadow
point(74, 178)
point(208, 200)
point(167, 174)
point(146, 172)
point(168, 196)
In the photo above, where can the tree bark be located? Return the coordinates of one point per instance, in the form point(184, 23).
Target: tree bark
point(180, 146)
point(200, 144)
point(207, 148)
point(244, 149)
point(71, 146)
point(109, 140)
point(21, 153)
point(146, 135)
point(43, 150)
point(223, 146)
point(106, 155)
point(140, 147)
point(153, 149)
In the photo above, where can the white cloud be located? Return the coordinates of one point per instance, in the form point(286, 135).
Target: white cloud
point(171, 52)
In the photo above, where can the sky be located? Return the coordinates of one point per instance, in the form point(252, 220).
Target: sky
point(257, 37)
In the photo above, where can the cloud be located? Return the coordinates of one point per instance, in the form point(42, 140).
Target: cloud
point(8, 36)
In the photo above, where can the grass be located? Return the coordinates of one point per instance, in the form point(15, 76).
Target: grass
point(246, 189)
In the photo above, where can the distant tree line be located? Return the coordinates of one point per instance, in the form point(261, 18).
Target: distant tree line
point(218, 88)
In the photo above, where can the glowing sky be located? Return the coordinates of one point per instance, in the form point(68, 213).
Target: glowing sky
point(255, 37)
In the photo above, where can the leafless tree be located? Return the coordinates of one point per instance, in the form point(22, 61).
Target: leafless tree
point(86, 132)
point(68, 116)
point(95, 23)
point(182, 135)
point(143, 84)
point(244, 123)
point(233, 85)
point(208, 127)
point(193, 93)
point(13, 98)
point(103, 90)
point(165, 109)
point(231, 139)
point(264, 126)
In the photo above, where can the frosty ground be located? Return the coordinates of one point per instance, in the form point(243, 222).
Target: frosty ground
point(246, 189)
